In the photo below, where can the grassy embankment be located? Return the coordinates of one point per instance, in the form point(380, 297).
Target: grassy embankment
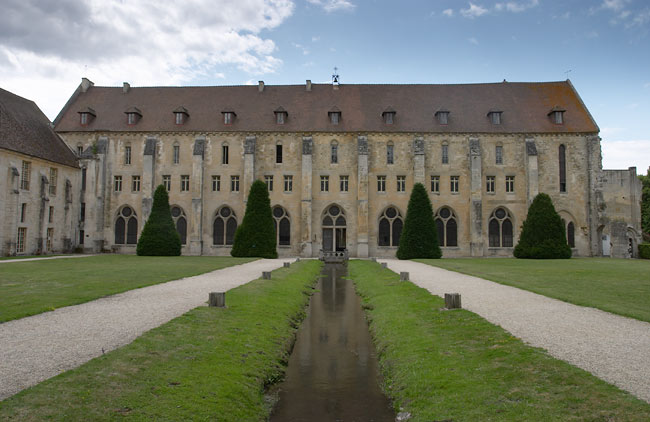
point(29, 288)
point(454, 365)
point(208, 364)
point(620, 286)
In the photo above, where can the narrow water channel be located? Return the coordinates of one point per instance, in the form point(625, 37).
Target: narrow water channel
point(333, 372)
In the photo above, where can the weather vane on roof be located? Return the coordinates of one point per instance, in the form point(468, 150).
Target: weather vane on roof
point(567, 73)
point(335, 76)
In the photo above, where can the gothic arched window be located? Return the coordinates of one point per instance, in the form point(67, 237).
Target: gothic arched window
point(126, 227)
point(334, 156)
point(500, 229)
point(282, 226)
point(447, 227)
point(180, 221)
point(224, 227)
point(390, 227)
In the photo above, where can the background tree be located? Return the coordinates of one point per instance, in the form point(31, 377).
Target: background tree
point(255, 237)
point(645, 202)
point(159, 236)
point(419, 237)
point(542, 234)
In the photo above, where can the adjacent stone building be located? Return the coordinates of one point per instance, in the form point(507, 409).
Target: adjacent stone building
point(340, 162)
point(39, 182)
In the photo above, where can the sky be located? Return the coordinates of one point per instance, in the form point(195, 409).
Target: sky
point(602, 46)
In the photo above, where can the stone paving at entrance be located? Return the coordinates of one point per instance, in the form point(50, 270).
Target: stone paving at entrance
point(613, 348)
point(36, 348)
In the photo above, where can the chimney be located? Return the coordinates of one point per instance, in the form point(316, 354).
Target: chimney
point(260, 86)
point(308, 85)
point(85, 84)
point(125, 87)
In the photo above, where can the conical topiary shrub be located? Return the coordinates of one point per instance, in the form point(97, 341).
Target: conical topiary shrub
point(159, 236)
point(419, 237)
point(255, 237)
point(542, 234)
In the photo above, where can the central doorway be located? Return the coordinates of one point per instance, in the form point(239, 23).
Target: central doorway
point(334, 229)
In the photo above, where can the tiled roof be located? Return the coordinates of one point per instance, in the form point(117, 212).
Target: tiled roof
point(25, 129)
point(525, 108)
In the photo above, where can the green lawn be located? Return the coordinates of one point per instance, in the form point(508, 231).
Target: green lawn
point(28, 288)
point(209, 364)
point(620, 286)
point(454, 365)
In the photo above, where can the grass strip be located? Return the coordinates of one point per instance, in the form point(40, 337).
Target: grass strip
point(619, 286)
point(29, 288)
point(209, 364)
point(454, 365)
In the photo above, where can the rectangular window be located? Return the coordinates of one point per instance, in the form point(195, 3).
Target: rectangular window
point(224, 154)
point(278, 154)
point(381, 183)
point(179, 118)
point(49, 239)
point(334, 118)
point(25, 175)
point(269, 183)
point(445, 154)
point(489, 183)
point(82, 212)
point(83, 119)
point(401, 183)
point(20, 241)
point(117, 183)
point(324, 183)
point(130, 118)
point(227, 118)
point(177, 154)
point(279, 118)
point(343, 183)
point(127, 155)
point(83, 179)
point(185, 183)
point(499, 154)
point(54, 173)
point(81, 237)
point(167, 182)
point(510, 184)
point(288, 183)
point(135, 183)
point(435, 184)
point(234, 183)
point(50, 215)
point(216, 183)
point(390, 154)
point(80, 150)
point(23, 212)
point(453, 186)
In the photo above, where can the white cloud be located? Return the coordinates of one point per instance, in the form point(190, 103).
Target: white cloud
point(626, 153)
point(305, 50)
point(473, 11)
point(614, 5)
point(473, 40)
point(448, 12)
point(646, 85)
point(143, 42)
point(315, 39)
point(640, 18)
point(333, 5)
point(515, 6)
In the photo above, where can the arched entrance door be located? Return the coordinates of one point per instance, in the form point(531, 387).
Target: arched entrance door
point(334, 229)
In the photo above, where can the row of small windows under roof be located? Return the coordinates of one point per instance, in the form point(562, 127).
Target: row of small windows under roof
point(133, 115)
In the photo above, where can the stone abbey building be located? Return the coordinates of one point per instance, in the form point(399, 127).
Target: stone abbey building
point(340, 162)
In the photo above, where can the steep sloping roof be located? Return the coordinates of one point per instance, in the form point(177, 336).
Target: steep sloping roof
point(525, 108)
point(25, 129)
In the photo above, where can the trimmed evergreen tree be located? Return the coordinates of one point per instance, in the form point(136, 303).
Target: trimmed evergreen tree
point(542, 234)
point(255, 237)
point(159, 236)
point(419, 237)
point(645, 202)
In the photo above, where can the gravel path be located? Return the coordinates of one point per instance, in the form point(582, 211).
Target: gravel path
point(45, 258)
point(39, 347)
point(613, 348)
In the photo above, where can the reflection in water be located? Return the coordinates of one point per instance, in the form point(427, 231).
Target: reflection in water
point(332, 372)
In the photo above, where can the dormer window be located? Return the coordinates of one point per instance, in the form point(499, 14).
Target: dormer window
point(389, 116)
point(443, 116)
point(180, 115)
point(334, 115)
point(133, 115)
point(280, 116)
point(557, 115)
point(495, 117)
point(228, 117)
point(86, 116)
